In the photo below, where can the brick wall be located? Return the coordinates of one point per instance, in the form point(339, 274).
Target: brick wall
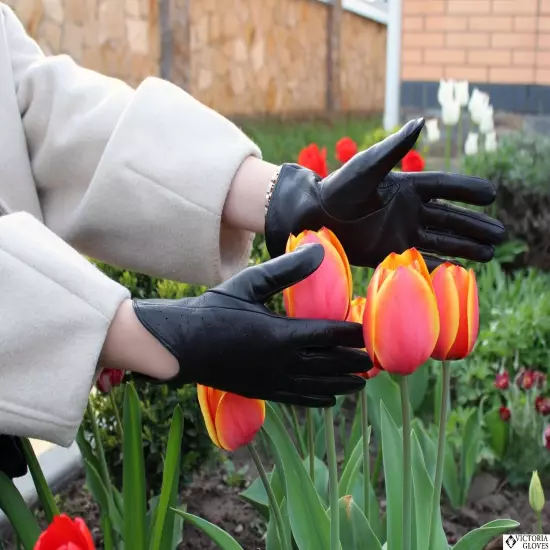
point(483, 41)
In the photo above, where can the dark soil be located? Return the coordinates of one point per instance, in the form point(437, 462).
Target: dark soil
point(211, 497)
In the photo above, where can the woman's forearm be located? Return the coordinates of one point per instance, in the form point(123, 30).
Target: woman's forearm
point(245, 204)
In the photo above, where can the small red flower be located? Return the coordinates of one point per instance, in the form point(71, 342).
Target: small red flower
point(108, 379)
point(542, 405)
point(413, 162)
point(502, 381)
point(546, 437)
point(65, 533)
point(527, 379)
point(315, 159)
point(505, 413)
point(346, 149)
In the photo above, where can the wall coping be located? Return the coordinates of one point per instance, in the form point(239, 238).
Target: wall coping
point(377, 10)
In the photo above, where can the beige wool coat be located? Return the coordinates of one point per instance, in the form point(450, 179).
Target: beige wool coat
point(89, 166)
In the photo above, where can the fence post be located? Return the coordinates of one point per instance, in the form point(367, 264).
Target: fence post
point(334, 26)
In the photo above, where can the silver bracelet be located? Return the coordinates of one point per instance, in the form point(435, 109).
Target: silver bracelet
point(270, 188)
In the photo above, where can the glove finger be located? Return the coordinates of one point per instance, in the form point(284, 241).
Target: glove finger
point(260, 282)
point(454, 187)
point(311, 401)
point(346, 193)
point(12, 458)
point(329, 385)
point(462, 222)
point(450, 245)
point(332, 361)
point(317, 333)
point(434, 261)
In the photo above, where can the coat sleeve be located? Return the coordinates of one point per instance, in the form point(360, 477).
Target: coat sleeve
point(135, 178)
point(56, 308)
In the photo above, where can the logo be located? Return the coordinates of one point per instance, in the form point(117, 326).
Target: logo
point(511, 541)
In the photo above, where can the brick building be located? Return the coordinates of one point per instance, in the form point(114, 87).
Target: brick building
point(501, 46)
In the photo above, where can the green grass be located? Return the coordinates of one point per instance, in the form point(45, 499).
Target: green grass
point(281, 141)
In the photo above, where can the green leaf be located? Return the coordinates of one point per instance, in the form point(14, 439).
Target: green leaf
point(351, 469)
point(86, 449)
point(418, 387)
point(256, 496)
point(106, 529)
point(374, 519)
point(423, 490)
point(479, 538)
point(392, 443)
point(119, 504)
point(133, 473)
point(499, 432)
point(321, 478)
point(383, 388)
point(471, 437)
point(451, 483)
point(355, 531)
point(224, 540)
point(354, 435)
point(429, 448)
point(308, 519)
point(320, 443)
point(163, 526)
point(177, 536)
point(272, 538)
point(21, 518)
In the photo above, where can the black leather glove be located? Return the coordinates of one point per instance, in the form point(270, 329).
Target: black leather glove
point(12, 459)
point(374, 211)
point(229, 340)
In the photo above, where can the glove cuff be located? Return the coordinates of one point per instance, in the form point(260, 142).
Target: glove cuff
point(294, 207)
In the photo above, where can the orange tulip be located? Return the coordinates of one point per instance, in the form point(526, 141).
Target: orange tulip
point(326, 293)
point(355, 315)
point(401, 321)
point(457, 301)
point(231, 420)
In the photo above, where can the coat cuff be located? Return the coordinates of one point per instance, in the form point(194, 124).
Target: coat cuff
point(166, 172)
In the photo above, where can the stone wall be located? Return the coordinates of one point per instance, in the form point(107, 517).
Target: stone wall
point(117, 37)
point(241, 57)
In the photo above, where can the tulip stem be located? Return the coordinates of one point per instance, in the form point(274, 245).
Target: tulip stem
point(539, 524)
point(438, 480)
point(448, 144)
point(377, 466)
point(407, 478)
point(311, 443)
point(273, 504)
point(298, 431)
point(332, 480)
point(460, 146)
point(117, 415)
point(366, 453)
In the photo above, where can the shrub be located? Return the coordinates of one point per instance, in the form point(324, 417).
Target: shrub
point(520, 169)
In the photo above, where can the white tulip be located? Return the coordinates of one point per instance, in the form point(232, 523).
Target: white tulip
point(491, 144)
point(462, 93)
point(445, 92)
point(450, 113)
point(486, 120)
point(433, 134)
point(479, 101)
point(471, 144)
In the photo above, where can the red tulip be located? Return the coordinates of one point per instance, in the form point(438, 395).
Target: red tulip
point(413, 162)
point(542, 405)
point(65, 533)
point(108, 379)
point(231, 420)
point(314, 159)
point(346, 149)
point(525, 379)
point(505, 413)
point(540, 379)
point(326, 293)
point(401, 321)
point(502, 381)
point(457, 302)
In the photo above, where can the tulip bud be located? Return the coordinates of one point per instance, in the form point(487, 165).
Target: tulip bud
point(542, 405)
point(462, 92)
point(433, 134)
point(486, 120)
point(536, 494)
point(505, 413)
point(231, 420)
point(546, 437)
point(445, 92)
point(479, 101)
point(108, 379)
point(401, 322)
point(491, 144)
point(326, 293)
point(450, 113)
point(471, 144)
point(345, 149)
point(502, 381)
point(457, 301)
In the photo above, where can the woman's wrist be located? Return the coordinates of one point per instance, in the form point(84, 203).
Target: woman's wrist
point(130, 346)
point(246, 201)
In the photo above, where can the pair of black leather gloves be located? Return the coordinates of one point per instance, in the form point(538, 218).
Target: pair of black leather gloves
point(229, 340)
